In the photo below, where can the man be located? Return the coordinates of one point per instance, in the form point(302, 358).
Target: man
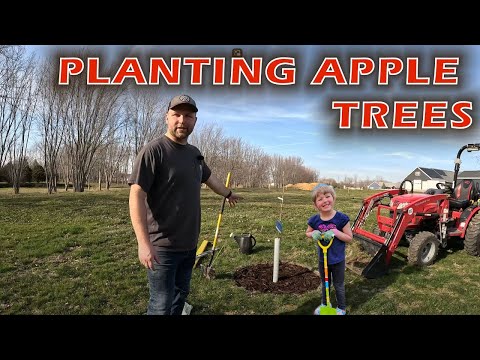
point(165, 207)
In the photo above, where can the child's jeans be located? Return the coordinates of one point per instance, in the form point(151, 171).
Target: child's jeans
point(336, 276)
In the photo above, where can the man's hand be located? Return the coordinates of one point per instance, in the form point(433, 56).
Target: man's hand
point(233, 199)
point(146, 255)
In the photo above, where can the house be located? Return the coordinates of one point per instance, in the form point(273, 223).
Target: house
point(426, 178)
point(378, 185)
point(469, 174)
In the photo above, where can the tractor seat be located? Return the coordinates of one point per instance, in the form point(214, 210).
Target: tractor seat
point(462, 194)
point(433, 191)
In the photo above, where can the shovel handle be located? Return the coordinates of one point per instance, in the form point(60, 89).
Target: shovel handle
point(327, 283)
point(219, 220)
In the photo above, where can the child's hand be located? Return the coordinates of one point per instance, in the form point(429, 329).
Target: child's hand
point(329, 235)
point(316, 235)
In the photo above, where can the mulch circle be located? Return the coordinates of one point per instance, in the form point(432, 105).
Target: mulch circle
point(292, 279)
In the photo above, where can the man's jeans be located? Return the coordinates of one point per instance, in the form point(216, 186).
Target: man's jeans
point(170, 282)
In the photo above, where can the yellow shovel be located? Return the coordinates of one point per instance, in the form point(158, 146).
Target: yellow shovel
point(201, 251)
point(325, 240)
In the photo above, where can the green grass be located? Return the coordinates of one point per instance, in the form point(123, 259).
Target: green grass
point(75, 253)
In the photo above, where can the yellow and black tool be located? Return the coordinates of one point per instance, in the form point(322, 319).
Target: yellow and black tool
point(202, 249)
point(325, 240)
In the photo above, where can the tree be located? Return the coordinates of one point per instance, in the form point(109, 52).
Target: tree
point(145, 112)
point(51, 122)
point(38, 172)
point(90, 112)
point(208, 138)
point(27, 173)
point(18, 99)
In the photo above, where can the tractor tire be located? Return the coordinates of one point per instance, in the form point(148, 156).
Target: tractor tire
point(423, 249)
point(471, 243)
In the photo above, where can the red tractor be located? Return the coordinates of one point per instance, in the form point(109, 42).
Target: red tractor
point(425, 221)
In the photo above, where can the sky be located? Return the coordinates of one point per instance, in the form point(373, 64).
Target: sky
point(297, 120)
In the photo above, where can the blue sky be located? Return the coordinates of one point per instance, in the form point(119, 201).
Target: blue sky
point(296, 120)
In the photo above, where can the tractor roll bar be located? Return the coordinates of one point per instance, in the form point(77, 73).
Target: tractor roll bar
point(469, 147)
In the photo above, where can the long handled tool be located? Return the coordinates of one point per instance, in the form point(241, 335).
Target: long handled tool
point(278, 223)
point(201, 251)
point(325, 240)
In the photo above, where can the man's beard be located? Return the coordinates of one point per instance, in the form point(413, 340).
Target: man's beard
point(180, 135)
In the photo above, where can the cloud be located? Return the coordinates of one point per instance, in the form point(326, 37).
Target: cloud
point(404, 155)
point(289, 144)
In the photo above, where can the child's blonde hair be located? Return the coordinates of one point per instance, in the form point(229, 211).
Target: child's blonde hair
point(323, 189)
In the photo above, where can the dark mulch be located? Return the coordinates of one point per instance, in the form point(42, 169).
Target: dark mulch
point(292, 279)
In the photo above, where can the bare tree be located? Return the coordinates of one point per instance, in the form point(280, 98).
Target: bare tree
point(256, 168)
point(208, 138)
point(145, 112)
point(51, 122)
point(18, 99)
point(277, 170)
point(11, 58)
point(65, 160)
point(89, 114)
point(114, 154)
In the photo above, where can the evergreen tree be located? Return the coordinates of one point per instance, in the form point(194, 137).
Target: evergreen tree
point(38, 172)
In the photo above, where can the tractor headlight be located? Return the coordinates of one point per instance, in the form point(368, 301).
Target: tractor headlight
point(402, 205)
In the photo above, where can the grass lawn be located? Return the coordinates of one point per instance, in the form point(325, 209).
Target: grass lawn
point(75, 253)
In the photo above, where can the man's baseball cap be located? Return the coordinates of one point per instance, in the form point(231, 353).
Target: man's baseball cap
point(182, 99)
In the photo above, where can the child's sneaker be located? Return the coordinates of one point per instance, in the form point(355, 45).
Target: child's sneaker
point(317, 310)
point(341, 312)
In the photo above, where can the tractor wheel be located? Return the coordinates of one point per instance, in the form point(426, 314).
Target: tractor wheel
point(423, 249)
point(471, 243)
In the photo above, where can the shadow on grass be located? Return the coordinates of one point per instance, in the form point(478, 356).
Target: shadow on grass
point(359, 290)
point(224, 276)
point(260, 248)
point(307, 307)
point(453, 247)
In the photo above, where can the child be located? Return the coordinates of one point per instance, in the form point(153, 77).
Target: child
point(328, 218)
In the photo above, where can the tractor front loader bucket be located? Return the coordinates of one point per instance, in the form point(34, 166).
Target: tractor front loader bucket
point(377, 240)
point(372, 261)
point(369, 253)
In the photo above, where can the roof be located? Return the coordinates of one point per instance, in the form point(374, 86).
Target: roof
point(437, 173)
point(469, 174)
point(385, 183)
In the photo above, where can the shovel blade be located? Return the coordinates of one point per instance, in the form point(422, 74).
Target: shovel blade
point(328, 310)
point(202, 247)
point(201, 252)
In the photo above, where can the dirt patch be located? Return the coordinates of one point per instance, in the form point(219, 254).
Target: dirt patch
point(302, 186)
point(292, 279)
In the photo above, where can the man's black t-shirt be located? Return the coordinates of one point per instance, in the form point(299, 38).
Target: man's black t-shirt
point(171, 174)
